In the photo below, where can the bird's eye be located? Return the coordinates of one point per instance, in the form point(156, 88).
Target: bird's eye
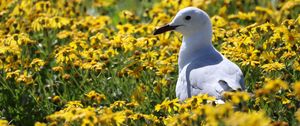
point(188, 18)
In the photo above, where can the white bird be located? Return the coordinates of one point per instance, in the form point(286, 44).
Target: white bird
point(202, 69)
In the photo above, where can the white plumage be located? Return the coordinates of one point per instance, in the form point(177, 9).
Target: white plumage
point(202, 69)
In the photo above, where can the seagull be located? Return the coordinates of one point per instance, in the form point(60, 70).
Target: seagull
point(202, 69)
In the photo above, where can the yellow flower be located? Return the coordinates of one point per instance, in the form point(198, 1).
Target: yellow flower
point(118, 104)
point(166, 69)
point(151, 55)
point(275, 66)
point(23, 39)
point(72, 114)
point(136, 73)
point(296, 65)
point(297, 114)
point(126, 28)
point(237, 97)
point(64, 34)
point(26, 78)
point(285, 100)
point(243, 16)
point(87, 122)
point(66, 55)
point(119, 118)
point(108, 117)
point(290, 4)
point(56, 99)
point(72, 104)
point(181, 119)
point(276, 84)
point(37, 64)
point(58, 68)
point(40, 24)
point(20, 9)
point(168, 105)
point(252, 60)
point(268, 56)
point(132, 104)
point(99, 38)
point(99, 23)
point(101, 3)
point(248, 119)
point(272, 86)
point(58, 22)
point(199, 99)
point(3, 122)
point(42, 6)
point(288, 55)
point(14, 74)
point(297, 89)
point(66, 76)
point(126, 14)
point(218, 21)
point(111, 52)
point(264, 14)
point(94, 96)
point(223, 9)
point(150, 117)
point(39, 124)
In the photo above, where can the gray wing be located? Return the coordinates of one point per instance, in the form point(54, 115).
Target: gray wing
point(233, 77)
point(212, 79)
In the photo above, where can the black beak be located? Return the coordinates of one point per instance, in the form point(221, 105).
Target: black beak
point(165, 29)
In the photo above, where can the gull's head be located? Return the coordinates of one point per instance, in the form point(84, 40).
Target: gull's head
point(188, 21)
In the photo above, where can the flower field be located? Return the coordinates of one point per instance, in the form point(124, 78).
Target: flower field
point(97, 62)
